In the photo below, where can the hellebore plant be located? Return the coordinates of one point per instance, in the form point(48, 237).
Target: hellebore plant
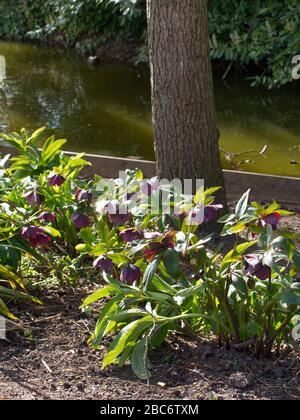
point(158, 271)
point(163, 276)
point(38, 190)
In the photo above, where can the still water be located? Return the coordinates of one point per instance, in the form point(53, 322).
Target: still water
point(106, 109)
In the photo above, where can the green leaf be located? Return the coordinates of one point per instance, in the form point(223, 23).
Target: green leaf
point(135, 329)
point(150, 272)
point(53, 232)
point(289, 297)
point(103, 321)
point(228, 218)
point(172, 263)
point(139, 175)
point(4, 310)
point(129, 314)
point(242, 205)
point(240, 284)
point(265, 237)
point(51, 149)
point(240, 249)
point(139, 359)
point(36, 134)
point(186, 293)
point(162, 286)
point(234, 254)
point(99, 294)
point(87, 235)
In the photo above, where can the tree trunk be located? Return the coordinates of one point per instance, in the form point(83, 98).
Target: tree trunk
point(185, 132)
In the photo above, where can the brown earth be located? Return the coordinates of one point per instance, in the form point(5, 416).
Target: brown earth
point(53, 361)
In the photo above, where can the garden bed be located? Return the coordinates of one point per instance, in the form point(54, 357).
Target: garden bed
point(181, 369)
point(147, 281)
point(56, 339)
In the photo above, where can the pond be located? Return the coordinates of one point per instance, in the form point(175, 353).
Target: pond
point(106, 109)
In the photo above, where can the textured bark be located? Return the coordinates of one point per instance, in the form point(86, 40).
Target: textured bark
point(185, 132)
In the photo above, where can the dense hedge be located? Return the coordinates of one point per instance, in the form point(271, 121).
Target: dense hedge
point(260, 32)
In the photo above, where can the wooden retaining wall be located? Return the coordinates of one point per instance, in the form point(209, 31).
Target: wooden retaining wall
point(286, 190)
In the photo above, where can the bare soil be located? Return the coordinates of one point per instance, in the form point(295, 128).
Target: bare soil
point(53, 361)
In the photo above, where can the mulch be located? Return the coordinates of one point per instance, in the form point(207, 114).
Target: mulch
point(51, 360)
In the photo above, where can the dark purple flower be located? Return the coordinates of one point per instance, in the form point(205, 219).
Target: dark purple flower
point(120, 216)
point(80, 220)
point(130, 235)
point(83, 195)
point(35, 235)
point(33, 198)
point(271, 219)
point(204, 214)
point(119, 219)
point(211, 212)
point(149, 187)
point(104, 263)
point(130, 274)
point(117, 215)
point(47, 217)
point(156, 247)
point(55, 180)
point(255, 267)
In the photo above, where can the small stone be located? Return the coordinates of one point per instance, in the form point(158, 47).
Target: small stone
point(162, 384)
point(239, 380)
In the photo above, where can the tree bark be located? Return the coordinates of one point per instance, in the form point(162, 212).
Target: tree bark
point(184, 120)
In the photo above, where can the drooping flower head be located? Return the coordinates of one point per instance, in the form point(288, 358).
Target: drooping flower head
point(47, 217)
point(149, 187)
point(131, 235)
point(80, 220)
point(156, 247)
point(211, 212)
point(119, 215)
point(55, 180)
point(130, 274)
point(204, 214)
point(33, 198)
point(83, 195)
point(104, 263)
point(255, 267)
point(271, 219)
point(35, 236)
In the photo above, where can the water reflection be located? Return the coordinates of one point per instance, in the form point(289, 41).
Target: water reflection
point(106, 109)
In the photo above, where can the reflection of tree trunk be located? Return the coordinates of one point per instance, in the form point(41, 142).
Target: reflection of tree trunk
point(186, 139)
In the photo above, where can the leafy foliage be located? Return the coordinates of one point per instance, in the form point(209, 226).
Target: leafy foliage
point(158, 271)
point(247, 296)
point(39, 193)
